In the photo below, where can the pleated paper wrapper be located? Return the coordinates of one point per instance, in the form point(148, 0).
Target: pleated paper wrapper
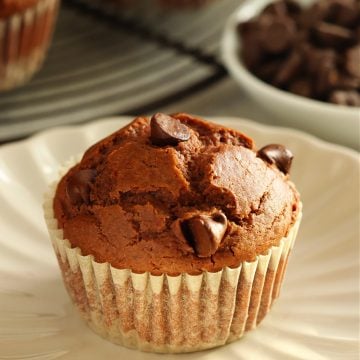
point(24, 40)
point(165, 313)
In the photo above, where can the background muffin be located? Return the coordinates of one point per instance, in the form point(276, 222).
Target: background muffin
point(188, 231)
point(26, 29)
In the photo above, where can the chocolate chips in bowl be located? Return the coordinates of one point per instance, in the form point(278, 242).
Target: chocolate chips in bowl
point(309, 51)
point(298, 107)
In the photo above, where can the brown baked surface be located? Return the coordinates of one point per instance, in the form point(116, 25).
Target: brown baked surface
point(142, 192)
point(10, 7)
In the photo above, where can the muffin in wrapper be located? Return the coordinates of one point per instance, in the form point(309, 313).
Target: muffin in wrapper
point(165, 313)
point(24, 39)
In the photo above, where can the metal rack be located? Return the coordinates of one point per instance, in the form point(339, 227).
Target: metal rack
point(105, 61)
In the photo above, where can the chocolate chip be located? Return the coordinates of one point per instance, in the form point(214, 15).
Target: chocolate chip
point(300, 40)
point(251, 51)
point(277, 35)
point(347, 98)
point(78, 186)
point(289, 69)
point(248, 27)
point(357, 34)
point(268, 70)
point(316, 59)
point(165, 130)
point(346, 82)
point(353, 61)
point(205, 232)
point(344, 13)
point(251, 48)
point(301, 87)
point(276, 8)
point(327, 78)
point(308, 18)
point(332, 35)
point(277, 155)
point(293, 8)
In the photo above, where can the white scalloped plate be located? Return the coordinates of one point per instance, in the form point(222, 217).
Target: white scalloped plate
point(316, 317)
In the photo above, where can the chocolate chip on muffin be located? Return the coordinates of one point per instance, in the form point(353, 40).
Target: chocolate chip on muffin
point(165, 130)
point(205, 232)
point(278, 155)
point(78, 186)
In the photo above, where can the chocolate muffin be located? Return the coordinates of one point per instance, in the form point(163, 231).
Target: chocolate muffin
point(27, 27)
point(173, 233)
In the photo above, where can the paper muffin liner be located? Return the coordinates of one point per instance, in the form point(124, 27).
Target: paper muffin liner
point(166, 313)
point(24, 40)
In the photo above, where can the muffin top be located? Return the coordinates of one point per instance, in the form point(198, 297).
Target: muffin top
point(175, 194)
point(10, 7)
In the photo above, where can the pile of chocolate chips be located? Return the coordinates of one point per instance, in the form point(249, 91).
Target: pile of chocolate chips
point(313, 52)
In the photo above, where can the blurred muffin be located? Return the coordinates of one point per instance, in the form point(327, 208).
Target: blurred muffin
point(173, 233)
point(26, 27)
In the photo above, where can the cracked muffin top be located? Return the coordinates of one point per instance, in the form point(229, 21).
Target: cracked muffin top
point(175, 194)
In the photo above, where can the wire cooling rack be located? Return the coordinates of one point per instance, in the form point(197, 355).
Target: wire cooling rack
point(107, 60)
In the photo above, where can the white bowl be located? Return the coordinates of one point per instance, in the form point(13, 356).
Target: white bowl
point(332, 122)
